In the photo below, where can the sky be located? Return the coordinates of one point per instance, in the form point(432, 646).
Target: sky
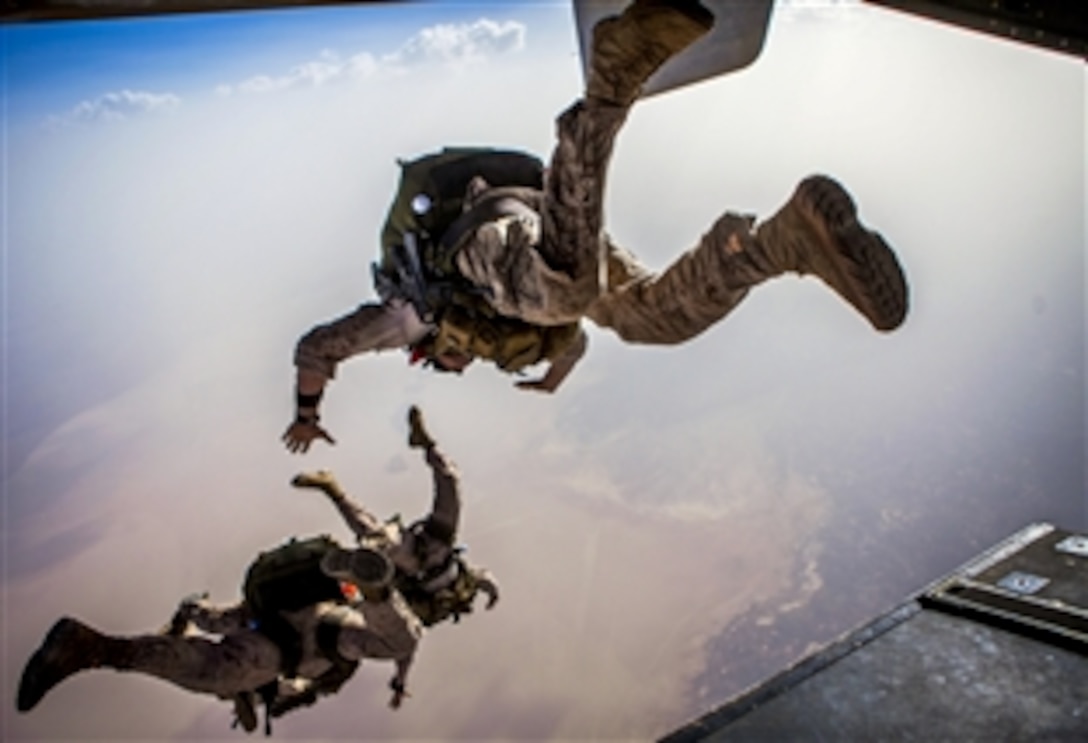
point(184, 197)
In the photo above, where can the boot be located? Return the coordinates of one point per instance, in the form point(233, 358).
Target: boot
point(818, 232)
point(245, 711)
point(322, 480)
point(364, 567)
point(69, 647)
point(629, 48)
point(179, 624)
point(418, 438)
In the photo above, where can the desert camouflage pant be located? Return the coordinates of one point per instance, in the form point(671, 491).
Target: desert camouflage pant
point(244, 659)
point(567, 267)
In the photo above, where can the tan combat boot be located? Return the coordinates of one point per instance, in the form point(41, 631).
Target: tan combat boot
point(179, 624)
point(322, 480)
point(245, 711)
point(629, 48)
point(69, 647)
point(818, 232)
point(418, 438)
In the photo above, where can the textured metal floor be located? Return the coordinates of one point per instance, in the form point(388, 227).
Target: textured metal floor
point(941, 667)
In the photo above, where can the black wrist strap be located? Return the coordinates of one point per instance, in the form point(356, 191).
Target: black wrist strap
point(308, 401)
point(311, 419)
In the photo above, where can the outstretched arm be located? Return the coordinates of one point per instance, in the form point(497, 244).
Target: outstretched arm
point(487, 583)
point(560, 367)
point(371, 327)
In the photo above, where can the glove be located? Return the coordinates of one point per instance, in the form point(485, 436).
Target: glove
point(302, 432)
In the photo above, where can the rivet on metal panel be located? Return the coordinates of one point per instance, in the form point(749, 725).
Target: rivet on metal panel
point(1020, 582)
point(1074, 545)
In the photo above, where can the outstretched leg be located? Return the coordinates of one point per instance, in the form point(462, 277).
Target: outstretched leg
point(322, 480)
point(196, 610)
point(361, 522)
point(240, 662)
point(626, 51)
point(551, 278)
point(816, 232)
point(700, 288)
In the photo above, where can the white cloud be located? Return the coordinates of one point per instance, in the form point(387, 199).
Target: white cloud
point(816, 10)
point(327, 68)
point(460, 43)
point(116, 106)
point(362, 64)
point(444, 44)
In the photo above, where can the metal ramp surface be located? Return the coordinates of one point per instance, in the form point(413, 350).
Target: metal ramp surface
point(996, 651)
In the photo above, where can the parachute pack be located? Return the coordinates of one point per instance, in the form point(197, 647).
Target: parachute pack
point(289, 577)
point(432, 188)
point(418, 260)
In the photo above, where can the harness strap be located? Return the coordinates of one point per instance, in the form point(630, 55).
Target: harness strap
point(495, 204)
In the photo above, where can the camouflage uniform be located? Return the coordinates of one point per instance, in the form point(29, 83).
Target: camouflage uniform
point(546, 271)
point(562, 266)
point(242, 660)
point(422, 550)
point(412, 550)
point(383, 626)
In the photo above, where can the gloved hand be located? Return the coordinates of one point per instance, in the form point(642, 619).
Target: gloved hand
point(553, 377)
point(540, 385)
point(301, 433)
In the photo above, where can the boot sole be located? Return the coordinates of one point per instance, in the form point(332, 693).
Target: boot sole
point(42, 672)
point(30, 687)
point(866, 271)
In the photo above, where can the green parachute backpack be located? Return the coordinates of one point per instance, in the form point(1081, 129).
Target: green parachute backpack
point(432, 189)
point(419, 255)
point(289, 577)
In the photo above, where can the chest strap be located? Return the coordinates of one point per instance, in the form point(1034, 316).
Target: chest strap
point(495, 204)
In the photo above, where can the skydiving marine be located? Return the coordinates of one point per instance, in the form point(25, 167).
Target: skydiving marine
point(526, 259)
point(311, 611)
